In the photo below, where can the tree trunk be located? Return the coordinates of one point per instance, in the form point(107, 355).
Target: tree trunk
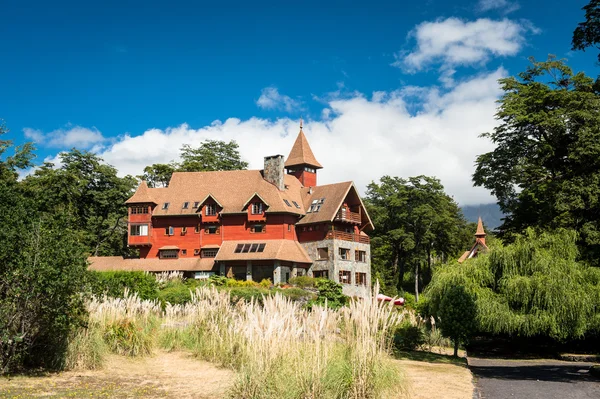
point(456, 348)
point(417, 267)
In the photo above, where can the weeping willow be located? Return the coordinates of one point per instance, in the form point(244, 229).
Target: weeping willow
point(534, 286)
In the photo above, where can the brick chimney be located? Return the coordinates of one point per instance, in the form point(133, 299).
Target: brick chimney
point(274, 171)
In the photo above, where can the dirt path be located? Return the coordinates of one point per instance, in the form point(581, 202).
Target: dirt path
point(437, 380)
point(165, 375)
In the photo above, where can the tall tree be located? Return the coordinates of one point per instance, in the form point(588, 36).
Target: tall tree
point(158, 174)
point(587, 33)
point(416, 222)
point(211, 155)
point(545, 169)
point(92, 192)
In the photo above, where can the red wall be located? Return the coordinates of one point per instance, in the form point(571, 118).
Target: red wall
point(308, 179)
point(312, 232)
point(233, 227)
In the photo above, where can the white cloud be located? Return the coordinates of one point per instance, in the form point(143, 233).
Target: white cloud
point(453, 42)
point(407, 132)
point(504, 6)
point(70, 136)
point(270, 98)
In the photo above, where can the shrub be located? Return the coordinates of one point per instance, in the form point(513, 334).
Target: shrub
point(297, 294)
point(303, 281)
point(408, 337)
point(457, 315)
point(409, 300)
point(265, 283)
point(330, 292)
point(113, 284)
point(217, 281)
point(248, 294)
point(175, 294)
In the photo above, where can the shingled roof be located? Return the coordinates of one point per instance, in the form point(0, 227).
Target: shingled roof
point(285, 250)
point(301, 154)
point(117, 263)
point(142, 195)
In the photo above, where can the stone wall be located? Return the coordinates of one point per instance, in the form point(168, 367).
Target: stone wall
point(274, 171)
point(334, 264)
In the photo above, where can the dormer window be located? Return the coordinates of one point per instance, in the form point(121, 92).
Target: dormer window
point(196, 204)
point(165, 206)
point(315, 206)
point(257, 208)
point(185, 205)
point(296, 204)
point(287, 203)
point(210, 210)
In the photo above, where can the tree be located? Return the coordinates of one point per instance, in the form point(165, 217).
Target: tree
point(545, 169)
point(211, 155)
point(21, 159)
point(158, 174)
point(587, 33)
point(458, 315)
point(415, 223)
point(91, 190)
point(533, 287)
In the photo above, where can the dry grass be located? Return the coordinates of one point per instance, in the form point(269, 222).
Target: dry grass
point(436, 380)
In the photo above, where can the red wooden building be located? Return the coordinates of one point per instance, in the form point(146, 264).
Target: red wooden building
point(251, 224)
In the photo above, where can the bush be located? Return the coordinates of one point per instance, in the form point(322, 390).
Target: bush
point(330, 292)
point(409, 300)
point(457, 315)
point(297, 294)
point(266, 283)
point(113, 284)
point(303, 281)
point(248, 293)
point(408, 337)
point(217, 281)
point(175, 294)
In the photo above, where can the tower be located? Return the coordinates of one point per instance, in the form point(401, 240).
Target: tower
point(302, 162)
point(480, 233)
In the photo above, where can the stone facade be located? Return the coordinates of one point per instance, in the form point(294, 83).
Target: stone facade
point(334, 263)
point(274, 171)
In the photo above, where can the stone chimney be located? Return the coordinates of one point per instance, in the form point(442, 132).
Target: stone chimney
point(274, 172)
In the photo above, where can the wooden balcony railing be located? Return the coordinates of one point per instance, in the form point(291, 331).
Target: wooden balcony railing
point(138, 240)
point(341, 235)
point(347, 216)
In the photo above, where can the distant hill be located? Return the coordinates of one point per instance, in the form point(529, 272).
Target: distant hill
point(490, 214)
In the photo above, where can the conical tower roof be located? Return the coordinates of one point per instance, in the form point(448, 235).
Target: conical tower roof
point(301, 154)
point(480, 231)
point(142, 195)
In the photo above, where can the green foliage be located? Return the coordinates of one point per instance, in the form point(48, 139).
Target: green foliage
point(545, 168)
point(158, 174)
point(114, 284)
point(211, 155)
point(330, 293)
point(266, 283)
point(42, 272)
point(126, 337)
point(175, 293)
point(532, 287)
point(408, 337)
point(458, 315)
point(217, 281)
point(415, 222)
point(296, 294)
point(587, 33)
point(303, 281)
point(409, 300)
point(248, 293)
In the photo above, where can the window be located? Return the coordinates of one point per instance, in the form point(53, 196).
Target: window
point(165, 206)
point(289, 227)
point(257, 208)
point(183, 231)
point(320, 274)
point(211, 230)
point(198, 228)
point(135, 210)
point(169, 231)
point(196, 251)
point(323, 253)
point(360, 256)
point(311, 170)
point(169, 253)
point(296, 204)
point(245, 248)
point(287, 203)
point(184, 252)
point(345, 277)
point(138, 230)
point(315, 206)
point(344, 254)
point(361, 278)
point(185, 205)
point(209, 252)
point(196, 204)
point(210, 210)
point(258, 228)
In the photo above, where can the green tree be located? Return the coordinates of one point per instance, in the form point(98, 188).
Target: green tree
point(9, 164)
point(158, 174)
point(415, 224)
point(532, 287)
point(587, 33)
point(545, 169)
point(211, 155)
point(458, 315)
point(91, 190)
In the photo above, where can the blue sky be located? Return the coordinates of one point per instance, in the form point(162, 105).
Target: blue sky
point(403, 87)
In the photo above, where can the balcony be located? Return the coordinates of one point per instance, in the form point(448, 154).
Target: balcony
point(138, 240)
point(347, 216)
point(341, 235)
